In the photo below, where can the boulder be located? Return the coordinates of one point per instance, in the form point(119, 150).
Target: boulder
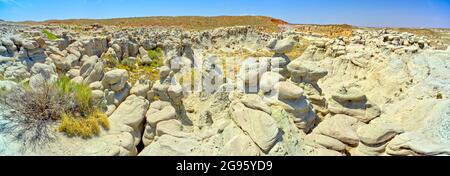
point(240, 145)
point(353, 103)
point(3, 51)
point(351, 94)
point(140, 88)
point(88, 65)
point(164, 114)
point(78, 79)
point(255, 102)
point(416, 144)
point(288, 91)
point(115, 80)
point(96, 74)
point(130, 113)
point(325, 141)
point(60, 62)
point(40, 68)
point(96, 85)
point(377, 133)
point(30, 45)
point(260, 126)
point(38, 81)
point(145, 59)
point(73, 60)
point(303, 71)
point(72, 73)
point(16, 72)
point(164, 71)
point(268, 81)
point(98, 96)
point(168, 145)
point(281, 46)
point(340, 127)
point(171, 127)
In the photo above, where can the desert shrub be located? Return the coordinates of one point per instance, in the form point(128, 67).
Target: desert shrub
point(32, 113)
point(49, 35)
point(36, 110)
point(156, 55)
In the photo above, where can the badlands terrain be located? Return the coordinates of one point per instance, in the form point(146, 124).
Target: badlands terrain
point(222, 86)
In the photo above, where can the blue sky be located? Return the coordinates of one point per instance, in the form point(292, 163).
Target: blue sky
point(378, 13)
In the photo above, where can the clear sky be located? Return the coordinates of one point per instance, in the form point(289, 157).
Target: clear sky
point(378, 13)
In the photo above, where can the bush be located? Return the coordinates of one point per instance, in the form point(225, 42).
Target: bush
point(35, 111)
point(32, 112)
point(157, 61)
point(155, 54)
point(49, 35)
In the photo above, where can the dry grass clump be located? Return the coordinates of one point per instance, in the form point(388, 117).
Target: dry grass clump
point(84, 127)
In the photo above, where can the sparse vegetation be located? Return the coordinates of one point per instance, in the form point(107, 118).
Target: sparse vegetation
point(85, 127)
point(330, 31)
point(84, 119)
point(299, 49)
point(49, 35)
point(37, 110)
point(137, 69)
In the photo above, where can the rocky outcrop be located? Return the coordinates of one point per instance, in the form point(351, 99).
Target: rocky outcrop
point(340, 127)
point(290, 97)
point(353, 103)
point(130, 116)
point(259, 125)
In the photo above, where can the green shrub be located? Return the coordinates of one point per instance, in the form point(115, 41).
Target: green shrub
point(157, 57)
point(49, 35)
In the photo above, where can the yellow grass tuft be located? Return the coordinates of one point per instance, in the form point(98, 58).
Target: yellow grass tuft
point(84, 127)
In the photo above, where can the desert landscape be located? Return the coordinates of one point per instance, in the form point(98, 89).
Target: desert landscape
point(222, 86)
